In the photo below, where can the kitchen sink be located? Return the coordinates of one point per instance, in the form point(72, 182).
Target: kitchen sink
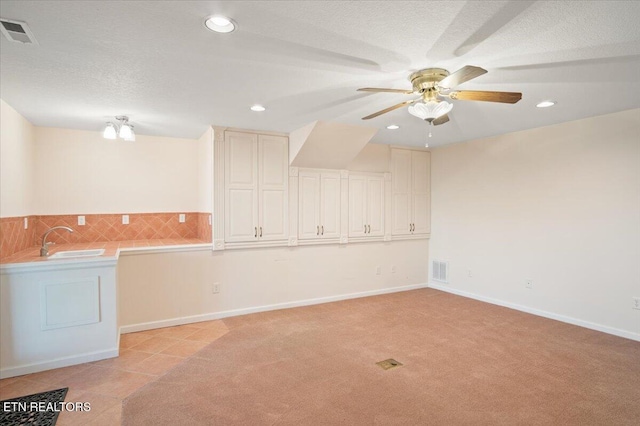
point(76, 253)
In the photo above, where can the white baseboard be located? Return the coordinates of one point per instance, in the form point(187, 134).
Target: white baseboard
point(232, 313)
point(57, 363)
point(570, 320)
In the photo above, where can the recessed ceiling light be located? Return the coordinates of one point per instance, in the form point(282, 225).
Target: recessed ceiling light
point(257, 108)
point(393, 127)
point(546, 104)
point(220, 24)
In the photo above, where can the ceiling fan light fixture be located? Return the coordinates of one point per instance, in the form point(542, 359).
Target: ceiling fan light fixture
point(220, 24)
point(431, 110)
point(109, 131)
point(546, 104)
point(393, 127)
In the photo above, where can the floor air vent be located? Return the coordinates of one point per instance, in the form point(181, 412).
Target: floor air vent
point(388, 364)
point(440, 271)
point(17, 31)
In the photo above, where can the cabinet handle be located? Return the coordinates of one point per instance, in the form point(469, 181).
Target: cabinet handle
point(261, 231)
point(413, 227)
point(318, 230)
point(365, 229)
point(368, 229)
point(322, 230)
point(255, 232)
point(409, 227)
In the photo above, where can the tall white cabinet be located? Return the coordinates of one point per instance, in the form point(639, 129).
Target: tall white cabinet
point(256, 187)
point(411, 196)
point(366, 205)
point(319, 204)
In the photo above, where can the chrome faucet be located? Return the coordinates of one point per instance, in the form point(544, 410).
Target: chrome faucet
point(44, 250)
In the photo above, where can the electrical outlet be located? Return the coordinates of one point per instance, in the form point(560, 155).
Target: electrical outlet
point(181, 217)
point(636, 303)
point(394, 269)
point(81, 221)
point(528, 283)
point(26, 223)
point(469, 274)
point(215, 289)
point(125, 219)
point(209, 219)
point(378, 270)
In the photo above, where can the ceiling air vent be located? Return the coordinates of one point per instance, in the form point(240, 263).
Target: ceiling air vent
point(440, 271)
point(17, 31)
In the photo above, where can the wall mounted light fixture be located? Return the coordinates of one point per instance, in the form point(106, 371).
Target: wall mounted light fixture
point(122, 129)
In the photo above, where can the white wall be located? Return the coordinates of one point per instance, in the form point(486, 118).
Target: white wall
point(165, 286)
point(80, 172)
point(559, 205)
point(205, 171)
point(17, 140)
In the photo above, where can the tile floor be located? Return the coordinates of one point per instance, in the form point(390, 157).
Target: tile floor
point(144, 357)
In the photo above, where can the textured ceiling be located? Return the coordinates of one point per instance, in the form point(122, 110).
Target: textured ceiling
point(155, 62)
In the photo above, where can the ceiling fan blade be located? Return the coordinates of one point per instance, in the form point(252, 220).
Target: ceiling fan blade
point(465, 73)
point(440, 120)
point(477, 95)
point(386, 110)
point(375, 89)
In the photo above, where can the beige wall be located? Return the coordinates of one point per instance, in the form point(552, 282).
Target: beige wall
point(80, 172)
point(163, 286)
point(559, 205)
point(17, 140)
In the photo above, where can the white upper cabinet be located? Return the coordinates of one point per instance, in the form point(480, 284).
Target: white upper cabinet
point(319, 205)
point(411, 196)
point(256, 184)
point(366, 205)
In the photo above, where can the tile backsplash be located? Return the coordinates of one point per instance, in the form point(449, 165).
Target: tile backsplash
point(102, 227)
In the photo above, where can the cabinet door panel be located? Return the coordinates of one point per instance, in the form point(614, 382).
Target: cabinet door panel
point(375, 206)
point(421, 192)
point(330, 205)
point(308, 205)
point(273, 221)
point(241, 217)
point(273, 184)
point(241, 186)
point(357, 206)
point(401, 161)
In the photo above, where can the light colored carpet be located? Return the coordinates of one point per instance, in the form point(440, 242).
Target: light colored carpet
point(465, 362)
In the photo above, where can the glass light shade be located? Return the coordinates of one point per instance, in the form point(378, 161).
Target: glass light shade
point(109, 131)
point(125, 131)
point(131, 138)
point(430, 110)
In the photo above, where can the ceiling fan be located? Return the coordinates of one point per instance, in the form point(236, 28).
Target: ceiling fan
point(434, 83)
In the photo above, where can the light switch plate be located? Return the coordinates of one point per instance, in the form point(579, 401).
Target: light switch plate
point(181, 217)
point(125, 219)
point(26, 223)
point(81, 221)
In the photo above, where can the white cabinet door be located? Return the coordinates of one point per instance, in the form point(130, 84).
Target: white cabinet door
point(241, 187)
point(375, 206)
point(308, 205)
point(273, 167)
point(330, 205)
point(420, 183)
point(357, 205)
point(411, 192)
point(366, 205)
point(401, 161)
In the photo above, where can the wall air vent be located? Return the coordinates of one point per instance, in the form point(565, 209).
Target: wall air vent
point(440, 271)
point(17, 31)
